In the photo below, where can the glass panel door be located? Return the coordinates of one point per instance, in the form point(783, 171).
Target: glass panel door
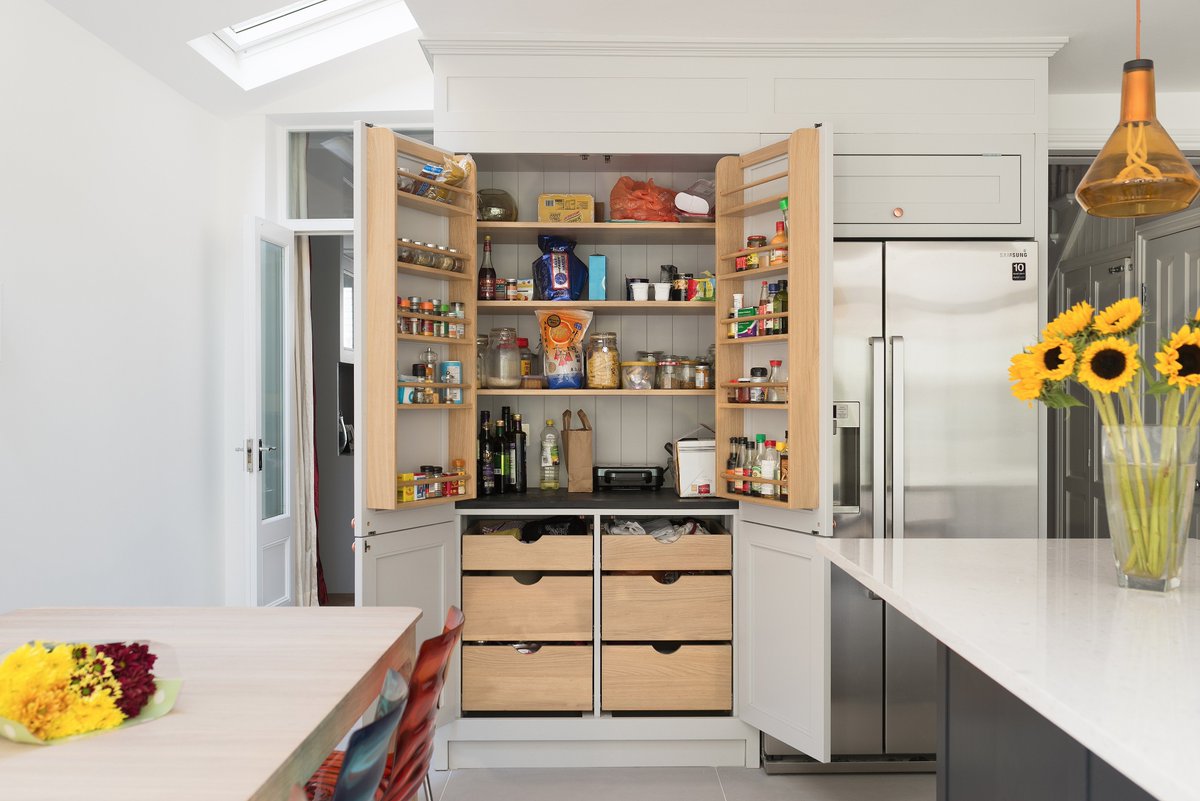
point(272, 388)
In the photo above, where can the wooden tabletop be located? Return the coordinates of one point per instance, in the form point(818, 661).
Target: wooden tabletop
point(267, 694)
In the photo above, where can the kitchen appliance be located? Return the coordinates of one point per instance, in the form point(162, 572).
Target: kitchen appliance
point(628, 478)
point(922, 337)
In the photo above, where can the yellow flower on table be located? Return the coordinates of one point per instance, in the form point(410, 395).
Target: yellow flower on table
point(59, 691)
point(1119, 317)
point(1070, 322)
point(1108, 365)
point(1053, 360)
point(1179, 359)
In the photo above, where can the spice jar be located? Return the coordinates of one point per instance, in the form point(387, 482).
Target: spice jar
point(668, 374)
point(703, 376)
point(427, 329)
point(687, 373)
point(422, 258)
point(442, 259)
point(752, 259)
point(603, 361)
point(404, 251)
point(456, 260)
point(758, 375)
point(503, 359)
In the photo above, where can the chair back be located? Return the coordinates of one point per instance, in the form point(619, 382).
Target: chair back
point(366, 756)
point(414, 739)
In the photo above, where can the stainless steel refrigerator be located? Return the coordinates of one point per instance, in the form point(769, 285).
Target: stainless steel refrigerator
point(928, 443)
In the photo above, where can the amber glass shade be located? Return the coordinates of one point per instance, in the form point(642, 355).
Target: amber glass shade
point(1140, 171)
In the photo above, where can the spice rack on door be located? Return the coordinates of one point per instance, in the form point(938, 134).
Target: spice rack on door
point(389, 215)
point(748, 185)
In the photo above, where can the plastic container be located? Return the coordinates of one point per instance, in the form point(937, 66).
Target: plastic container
point(603, 361)
point(638, 375)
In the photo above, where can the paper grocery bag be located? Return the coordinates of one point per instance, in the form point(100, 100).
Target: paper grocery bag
point(577, 444)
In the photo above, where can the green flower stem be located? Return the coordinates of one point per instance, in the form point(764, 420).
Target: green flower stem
point(1141, 498)
point(1108, 416)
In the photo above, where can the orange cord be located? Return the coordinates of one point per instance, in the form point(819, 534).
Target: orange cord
point(1139, 30)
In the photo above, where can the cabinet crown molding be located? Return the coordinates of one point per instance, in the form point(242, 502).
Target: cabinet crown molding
point(1009, 47)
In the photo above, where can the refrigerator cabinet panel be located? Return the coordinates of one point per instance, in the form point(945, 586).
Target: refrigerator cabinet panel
point(970, 452)
point(910, 686)
point(856, 680)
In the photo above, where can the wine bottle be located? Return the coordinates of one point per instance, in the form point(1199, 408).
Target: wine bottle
point(487, 274)
point(520, 469)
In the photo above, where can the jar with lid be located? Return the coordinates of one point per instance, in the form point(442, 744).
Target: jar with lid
point(687, 373)
point(703, 375)
point(503, 359)
point(603, 361)
point(442, 259)
point(429, 358)
point(650, 355)
point(758, 375)
point(456, 266)
point(752, 259)
point(422, 258)
point(426, 322)
point(481, 346)
point(404, 251)
point(668, 374)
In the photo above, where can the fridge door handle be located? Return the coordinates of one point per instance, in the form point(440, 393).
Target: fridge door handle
point(897, 437)
point(878, 450)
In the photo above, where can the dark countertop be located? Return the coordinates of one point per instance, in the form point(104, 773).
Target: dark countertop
point(616, 500)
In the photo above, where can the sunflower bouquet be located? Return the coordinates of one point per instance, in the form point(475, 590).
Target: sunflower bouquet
point(1149, 471)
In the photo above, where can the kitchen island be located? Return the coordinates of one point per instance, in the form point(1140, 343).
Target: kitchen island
point(1051, 676)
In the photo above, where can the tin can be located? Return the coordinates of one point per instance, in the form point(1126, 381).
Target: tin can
point(458, 312)
point(419, 489)
point(452, 374)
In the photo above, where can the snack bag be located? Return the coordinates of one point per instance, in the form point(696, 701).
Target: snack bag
point(562, 343)
point(641, 200)
point(558, 274)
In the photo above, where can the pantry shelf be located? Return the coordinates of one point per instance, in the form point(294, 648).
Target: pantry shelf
point(435, 501)
point(746, 340)
point(430, 272)
point(757, 272)
point(432, 206)
point(602, 233)
point(417, 407)
point(598, 306)
point(753, 207)
point(436, 340)
point(633, 393)
point(753, 407)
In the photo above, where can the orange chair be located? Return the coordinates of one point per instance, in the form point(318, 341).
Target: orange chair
point(414, 738)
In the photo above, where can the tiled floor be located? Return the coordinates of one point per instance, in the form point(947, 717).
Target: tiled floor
point(672, 784)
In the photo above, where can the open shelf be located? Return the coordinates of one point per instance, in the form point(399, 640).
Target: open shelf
point(633, 393)
point(417, 407)
point(745, 340)
point(437, 340)
point(753, 207)
point(598, 306)
point(602, 233)
point(753, 407)
point(432, 206)
point(435, 501)
point(757, 272)
point(430, 272)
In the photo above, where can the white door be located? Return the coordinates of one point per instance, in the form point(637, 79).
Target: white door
point(269, 449)
point(783, 637)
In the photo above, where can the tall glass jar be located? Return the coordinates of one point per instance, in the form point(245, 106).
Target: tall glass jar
point(503, 359)
point(481, 346)
point(668, 374)
point(687, 373)
point(603, 361)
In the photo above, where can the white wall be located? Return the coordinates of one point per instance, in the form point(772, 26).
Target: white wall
point(119, 249)
point(1086, 120)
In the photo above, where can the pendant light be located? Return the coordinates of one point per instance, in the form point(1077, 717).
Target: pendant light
point(1139, 171)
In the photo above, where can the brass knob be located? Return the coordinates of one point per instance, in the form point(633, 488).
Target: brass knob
point(897, 212)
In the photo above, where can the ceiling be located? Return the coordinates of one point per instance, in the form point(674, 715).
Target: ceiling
point(155, 35)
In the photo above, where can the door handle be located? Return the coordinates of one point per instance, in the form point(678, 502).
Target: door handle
point(897, 437)
point(878, 493)
point(262, 448)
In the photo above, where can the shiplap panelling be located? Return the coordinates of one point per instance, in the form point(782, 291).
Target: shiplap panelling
point(629, 430)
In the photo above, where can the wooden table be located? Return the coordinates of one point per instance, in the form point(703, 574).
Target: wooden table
point(267, 694)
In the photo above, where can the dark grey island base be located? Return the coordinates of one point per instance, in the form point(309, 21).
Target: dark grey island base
point(617, 500)
point(994, 747)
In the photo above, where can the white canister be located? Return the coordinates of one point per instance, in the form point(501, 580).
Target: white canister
point(641, 291)
point(662, 291)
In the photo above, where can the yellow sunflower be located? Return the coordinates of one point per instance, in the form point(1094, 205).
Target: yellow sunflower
point(1108, 364)
point(1023, 371)
point(1119, 317)
point(1196, 318)
point(1053, 360)
point(1070, 322)
point(1179, 359)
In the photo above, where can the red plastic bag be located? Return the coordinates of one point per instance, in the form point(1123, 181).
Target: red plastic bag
point(641, 200)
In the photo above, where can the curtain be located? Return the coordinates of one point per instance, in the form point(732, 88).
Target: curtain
point(304, 490)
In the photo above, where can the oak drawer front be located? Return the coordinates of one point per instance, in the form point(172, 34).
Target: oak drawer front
point(555, 609)
point(689, 552)
point(550, 552)
point(639, 678)
point(557, 678)
point(693, 608)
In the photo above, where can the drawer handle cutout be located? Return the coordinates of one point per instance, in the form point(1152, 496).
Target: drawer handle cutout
point(669, 577)
point(527, 647)
point(527, 579)
point(667, 649)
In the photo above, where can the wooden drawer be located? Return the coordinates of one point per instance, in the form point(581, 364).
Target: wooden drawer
point(690, 552)
point(551, 552)
point(497, 678)
point(555, 609)
point(639, 678)
point(693, 608)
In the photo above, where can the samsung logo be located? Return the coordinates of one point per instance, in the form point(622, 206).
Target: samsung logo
point(1016, 254)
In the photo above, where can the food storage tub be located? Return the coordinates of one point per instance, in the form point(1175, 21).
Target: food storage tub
point(638, 375)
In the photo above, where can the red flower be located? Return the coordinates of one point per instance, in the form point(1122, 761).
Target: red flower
point(133, 666)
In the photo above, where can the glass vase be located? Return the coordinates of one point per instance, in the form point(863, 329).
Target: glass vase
point(1149, 480)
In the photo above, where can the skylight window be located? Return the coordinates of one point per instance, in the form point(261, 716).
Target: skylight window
point(300, 35)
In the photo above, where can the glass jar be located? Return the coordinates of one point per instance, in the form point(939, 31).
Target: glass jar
point(603, 361)
point(650, 355)
point(404, 251)
point(752, 259)
point(481, 346)
point(503, 359)
point(442, 259)
point(422, 258)
point(703, 376)
point(457, 259)
point(668, 374)
point(758, 375)
point(687, 373)
point(638, 375)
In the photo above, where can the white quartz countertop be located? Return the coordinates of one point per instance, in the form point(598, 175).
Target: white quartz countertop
point(1118, 670)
